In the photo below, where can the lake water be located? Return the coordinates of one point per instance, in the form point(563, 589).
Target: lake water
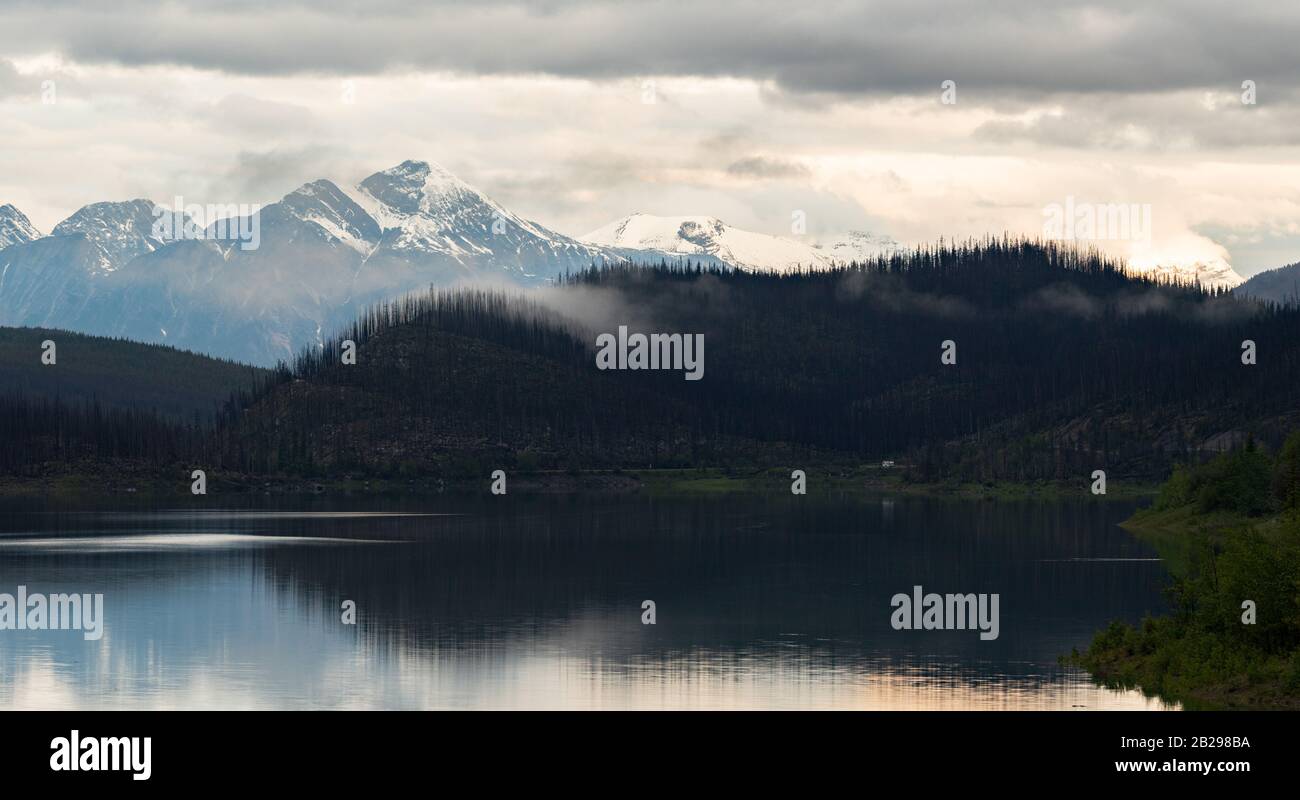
point(536, 602)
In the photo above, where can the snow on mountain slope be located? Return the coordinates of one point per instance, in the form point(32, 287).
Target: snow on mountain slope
point(53, 280)
point(334, 211)
point(439, 228)
point(118, 231)
point(699, 235)
point(324, 253)
point(46, 282)
point(1216, 275)
point(15, 228)
point(860, 246)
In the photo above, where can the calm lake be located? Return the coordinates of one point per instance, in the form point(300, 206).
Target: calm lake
point(536, 602)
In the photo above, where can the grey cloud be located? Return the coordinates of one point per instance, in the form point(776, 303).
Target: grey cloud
point(766, 168)
point(594, 309)
point(1151, 301)
point(1063, 299)
point(1256, 248)
point(889, 292)
point(1224, 311)
point(1158, 122)
point(11, 83)
point(590, 310)
point(559, 191)
point(726, 142)
point(897, 46)
point(263, 118)
point(16, 84)
point(1067, 299)
point(266, 176)
point(1215, 311)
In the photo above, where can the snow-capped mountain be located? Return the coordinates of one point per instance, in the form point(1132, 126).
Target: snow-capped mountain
point(1215, 275)
point(439, 229)
point(329, 208)
point(860, 246)
point(51, 281)
point(15, 228)
point(118, 231)
point(323, 253)
point(709, 236)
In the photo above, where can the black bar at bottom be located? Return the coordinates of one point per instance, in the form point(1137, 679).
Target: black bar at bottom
point(334, 749)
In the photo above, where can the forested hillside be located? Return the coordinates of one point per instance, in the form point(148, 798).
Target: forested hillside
point(1279, 285)
point(105, 398)
point(1063, 364)
point(118, 373)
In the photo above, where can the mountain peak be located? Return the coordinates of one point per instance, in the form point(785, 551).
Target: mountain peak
point(410, 165)
point(317, 188)
point(415, 186)
point(421, 173)
point(324, 204)
point(120, 230)
point(15, 228)
point(105, 211)
point(421, 169)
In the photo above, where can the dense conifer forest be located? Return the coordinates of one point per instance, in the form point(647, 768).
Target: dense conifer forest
point(105, 398)
point(1063, 364)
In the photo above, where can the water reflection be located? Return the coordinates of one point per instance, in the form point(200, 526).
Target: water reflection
point(536, 603)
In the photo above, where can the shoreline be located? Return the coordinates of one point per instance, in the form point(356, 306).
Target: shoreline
point(665, 482)
point(1168, 658)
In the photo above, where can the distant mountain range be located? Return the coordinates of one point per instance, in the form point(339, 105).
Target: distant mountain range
point(1212, 275)
point(1281, 285)
point(323, 254)
point(708, 236)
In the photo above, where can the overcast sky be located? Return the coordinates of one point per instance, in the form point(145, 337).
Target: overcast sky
point(760, 109)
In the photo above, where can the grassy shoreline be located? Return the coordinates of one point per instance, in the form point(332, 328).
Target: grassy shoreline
point(1229, 532)
point(669, 482)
